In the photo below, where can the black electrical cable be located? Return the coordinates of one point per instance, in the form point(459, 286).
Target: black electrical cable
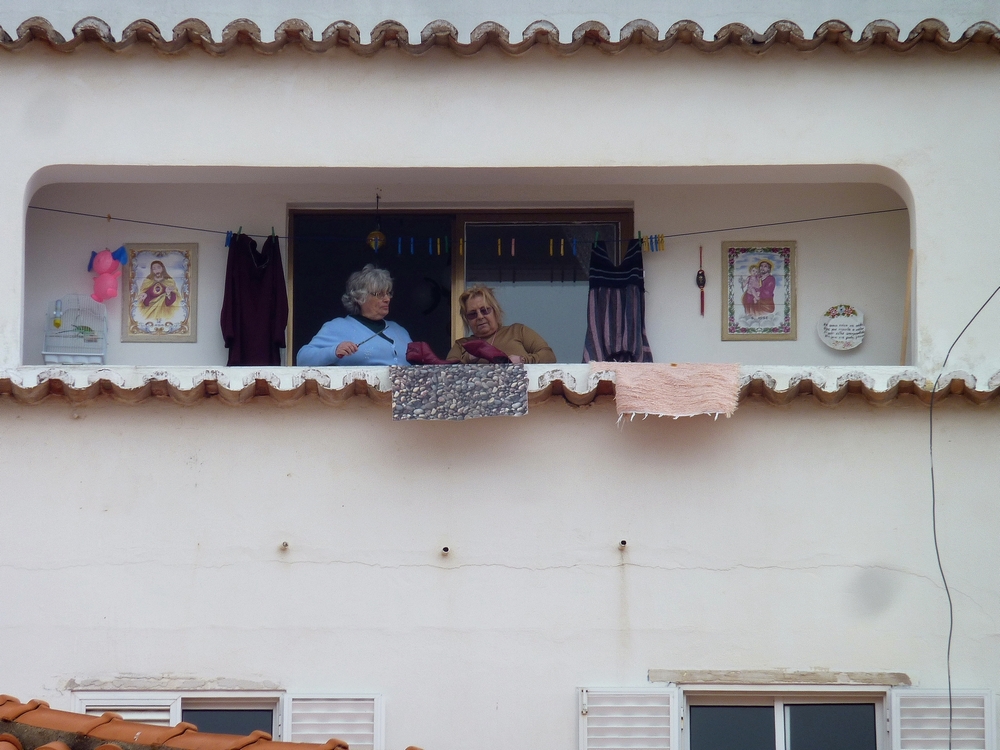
point(937, 549)
point(109, 217)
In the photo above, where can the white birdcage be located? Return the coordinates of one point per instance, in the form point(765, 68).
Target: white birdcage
point(76, 331)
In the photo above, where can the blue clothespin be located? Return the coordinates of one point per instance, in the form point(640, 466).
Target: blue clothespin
point(399, 247)
point(229, 238)
point(574, 246)
point(430, 246)
point(411, 245)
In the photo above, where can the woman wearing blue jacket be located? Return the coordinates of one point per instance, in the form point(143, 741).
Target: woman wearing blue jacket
point(364, 337)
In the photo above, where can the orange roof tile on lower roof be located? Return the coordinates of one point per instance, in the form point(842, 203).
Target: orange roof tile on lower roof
point(36, 726)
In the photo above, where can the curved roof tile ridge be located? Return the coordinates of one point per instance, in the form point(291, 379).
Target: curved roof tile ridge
point(35, 726)
point(575, 383)
point(193, 32)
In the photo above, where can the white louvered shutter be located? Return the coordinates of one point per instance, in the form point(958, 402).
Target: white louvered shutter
point(145, 713)
point(641, 719)
point(920, 720)
point(356, 720)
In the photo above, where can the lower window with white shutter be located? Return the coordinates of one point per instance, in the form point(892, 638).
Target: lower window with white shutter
point(356, 718)
point(628, 719)
point(920, 720)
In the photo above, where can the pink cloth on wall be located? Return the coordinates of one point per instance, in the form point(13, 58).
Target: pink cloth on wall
point(673, 390)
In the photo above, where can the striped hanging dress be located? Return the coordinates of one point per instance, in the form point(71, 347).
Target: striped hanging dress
point(616, 308)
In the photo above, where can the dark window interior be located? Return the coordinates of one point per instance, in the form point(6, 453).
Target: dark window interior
point(230, 721)
point(555, 252)
point(833, 726)
point(328, 247)
point(732, 727)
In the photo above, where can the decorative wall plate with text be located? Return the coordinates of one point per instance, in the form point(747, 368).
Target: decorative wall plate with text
point(842, 327)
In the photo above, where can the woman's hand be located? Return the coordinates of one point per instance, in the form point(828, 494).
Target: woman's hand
point(517, 360)
point(346, 349)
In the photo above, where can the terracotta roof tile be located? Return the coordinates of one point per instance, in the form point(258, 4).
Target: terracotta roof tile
point(64, 721)
point(243, 32)
point(141, 734)
point(36, 720)
point(206, 741)
point(12, 710)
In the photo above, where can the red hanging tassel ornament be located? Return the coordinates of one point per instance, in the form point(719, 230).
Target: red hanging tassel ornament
point(700, 280)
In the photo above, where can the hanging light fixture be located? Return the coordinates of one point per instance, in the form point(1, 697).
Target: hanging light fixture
point(376, 238)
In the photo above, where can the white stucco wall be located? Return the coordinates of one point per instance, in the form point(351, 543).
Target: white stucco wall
point(151, 550)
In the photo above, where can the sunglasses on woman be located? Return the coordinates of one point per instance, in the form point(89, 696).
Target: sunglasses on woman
point(473, 314)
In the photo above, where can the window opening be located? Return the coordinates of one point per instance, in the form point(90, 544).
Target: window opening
point(732, 727)
point(242, 721)
point(326, 247)
point(807, 719)
point(538, 265)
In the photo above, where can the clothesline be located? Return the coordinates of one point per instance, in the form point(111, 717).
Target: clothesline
point(653, 243)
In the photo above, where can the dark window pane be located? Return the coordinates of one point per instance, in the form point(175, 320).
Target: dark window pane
point(225, 721)
point(732, 727)
point(326, 248)
point(834, 726)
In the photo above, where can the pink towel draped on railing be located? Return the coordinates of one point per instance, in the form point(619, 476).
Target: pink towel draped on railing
point(673, 390)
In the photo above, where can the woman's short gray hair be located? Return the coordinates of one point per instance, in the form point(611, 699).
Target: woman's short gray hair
point(361, 284)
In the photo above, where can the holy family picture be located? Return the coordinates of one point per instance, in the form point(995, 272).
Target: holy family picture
point(159, 292)
point(759, 299)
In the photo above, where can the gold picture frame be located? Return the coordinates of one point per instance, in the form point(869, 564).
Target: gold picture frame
point(160, 293)
point(758, 303)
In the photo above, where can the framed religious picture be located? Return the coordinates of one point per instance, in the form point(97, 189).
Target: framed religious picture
point(160, 293)
point(759, 299)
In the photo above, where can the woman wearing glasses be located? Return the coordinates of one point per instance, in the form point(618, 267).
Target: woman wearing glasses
point(364, 336)
point(484, 318)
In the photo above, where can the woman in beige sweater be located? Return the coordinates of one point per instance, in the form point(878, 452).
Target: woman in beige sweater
point(484, 318)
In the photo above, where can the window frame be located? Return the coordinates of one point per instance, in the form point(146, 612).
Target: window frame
point(279, 701)
point(780, 695)
point(178, 700)
point(623, 215)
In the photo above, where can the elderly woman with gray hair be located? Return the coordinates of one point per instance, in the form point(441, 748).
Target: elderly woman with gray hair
point(364, 336)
